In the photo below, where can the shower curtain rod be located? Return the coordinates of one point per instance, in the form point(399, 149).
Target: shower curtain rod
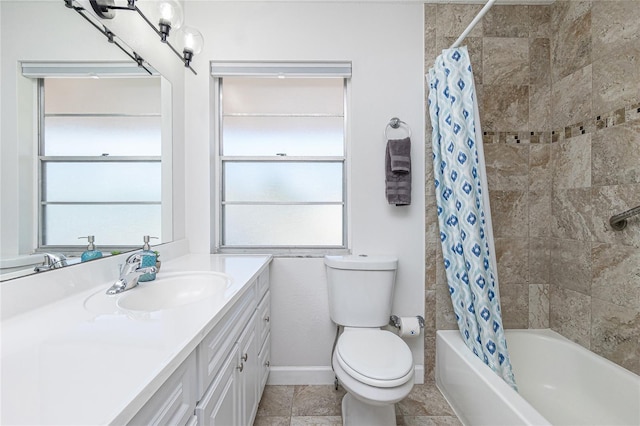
point(473, 23)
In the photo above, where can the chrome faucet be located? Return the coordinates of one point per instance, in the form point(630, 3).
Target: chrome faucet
point(51, 261)
point(130, 272)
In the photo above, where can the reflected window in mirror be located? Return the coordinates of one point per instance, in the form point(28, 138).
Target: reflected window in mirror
point(100, 161)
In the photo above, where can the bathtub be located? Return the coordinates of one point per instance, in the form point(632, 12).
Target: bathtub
point(559, 383)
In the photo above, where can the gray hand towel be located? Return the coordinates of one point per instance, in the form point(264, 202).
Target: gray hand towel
point(400, 154)
point(398, 172)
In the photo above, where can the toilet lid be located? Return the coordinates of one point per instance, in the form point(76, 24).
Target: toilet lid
point(376, 357)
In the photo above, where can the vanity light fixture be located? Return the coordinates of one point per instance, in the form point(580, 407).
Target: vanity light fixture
point(168, 14)
point(111, 37)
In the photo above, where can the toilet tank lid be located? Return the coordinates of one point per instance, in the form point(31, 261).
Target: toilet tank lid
point(362, 262)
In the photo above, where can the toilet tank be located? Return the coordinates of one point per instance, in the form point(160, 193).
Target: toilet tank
point(360, 289)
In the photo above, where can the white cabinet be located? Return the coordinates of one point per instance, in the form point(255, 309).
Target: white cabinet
point(232, 369)
point(222, 381)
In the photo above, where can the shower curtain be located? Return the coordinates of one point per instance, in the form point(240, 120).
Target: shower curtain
point(463, 210)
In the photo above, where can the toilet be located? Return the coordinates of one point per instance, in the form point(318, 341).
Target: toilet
point(374, 366)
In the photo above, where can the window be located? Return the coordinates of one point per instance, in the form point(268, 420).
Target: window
point(99, 161)
point(281, 155)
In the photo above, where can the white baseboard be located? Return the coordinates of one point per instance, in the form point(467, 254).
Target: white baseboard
point(316, 375)
point(301, 376)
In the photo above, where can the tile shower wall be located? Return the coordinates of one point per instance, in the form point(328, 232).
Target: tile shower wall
point(563, 154)
point(595, 151)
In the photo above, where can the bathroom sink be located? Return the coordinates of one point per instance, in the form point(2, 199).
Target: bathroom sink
point(174, 290)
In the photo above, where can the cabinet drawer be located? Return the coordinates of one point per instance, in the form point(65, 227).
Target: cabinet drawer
point(174, 402)
point(264, 317)
point(263, 283)
point(215, 347)
point(264, 364)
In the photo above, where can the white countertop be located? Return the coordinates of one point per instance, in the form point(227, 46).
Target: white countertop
point(79, 362)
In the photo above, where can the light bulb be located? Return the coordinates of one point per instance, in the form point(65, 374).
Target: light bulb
point(171, 13)
point(192, 40)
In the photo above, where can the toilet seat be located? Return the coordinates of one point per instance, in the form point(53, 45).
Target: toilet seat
point(375, 357)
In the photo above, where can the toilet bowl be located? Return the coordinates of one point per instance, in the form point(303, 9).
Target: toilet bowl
point(376, 369)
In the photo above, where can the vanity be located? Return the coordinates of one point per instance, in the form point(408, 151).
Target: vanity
point(164, 355)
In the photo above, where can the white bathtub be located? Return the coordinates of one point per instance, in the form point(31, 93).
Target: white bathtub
point(559, 383)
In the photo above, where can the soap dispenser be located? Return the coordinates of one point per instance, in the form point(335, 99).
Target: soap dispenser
point(91, 252)
point(148, 259)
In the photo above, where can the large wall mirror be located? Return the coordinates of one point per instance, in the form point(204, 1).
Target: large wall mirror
point(86, 140)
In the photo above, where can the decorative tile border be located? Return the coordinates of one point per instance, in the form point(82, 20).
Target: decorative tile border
point(610, 119)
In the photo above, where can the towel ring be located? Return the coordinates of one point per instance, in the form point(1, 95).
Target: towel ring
point(395, 123)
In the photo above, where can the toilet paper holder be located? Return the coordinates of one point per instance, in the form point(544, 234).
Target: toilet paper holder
point(394, 321)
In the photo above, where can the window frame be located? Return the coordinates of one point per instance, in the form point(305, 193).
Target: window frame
point(219, 71)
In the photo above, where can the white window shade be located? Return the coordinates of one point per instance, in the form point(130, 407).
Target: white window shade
point(84, 69)
point(281, 69)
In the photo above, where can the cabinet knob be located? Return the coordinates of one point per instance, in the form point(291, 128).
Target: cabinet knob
point(240, 367)
point(244, 357)
point(268, 364)
point(267, 319)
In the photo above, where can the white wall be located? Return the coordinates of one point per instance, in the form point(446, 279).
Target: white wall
point(48, 31)
point(385, 43)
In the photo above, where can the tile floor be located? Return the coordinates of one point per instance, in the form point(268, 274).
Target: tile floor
point(320, 405)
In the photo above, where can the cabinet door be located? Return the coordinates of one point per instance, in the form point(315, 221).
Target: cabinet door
point(173, 403)
point(264, 364)
point(219, 406)
point(249, 376)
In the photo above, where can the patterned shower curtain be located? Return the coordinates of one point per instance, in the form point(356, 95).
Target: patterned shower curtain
point(462, 200)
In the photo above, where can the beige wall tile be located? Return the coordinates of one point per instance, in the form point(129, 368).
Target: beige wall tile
point(512, 255)
point(539, 260)
point(429, 355)
point(539, 107)
point(505, 61)
point(572, 163)
point(505, 108)
point(430, 35)
point(571, 39)
point(538, 306)
point(571, 214)
point(540, 61)
point(616, 274)
point(571, 98)
point(570, 315)
point(615, 333)
point(540, 167)
point(540, 21)
point(615, 25)
point(510, 213)
point(616, 155)
point(616, 79)
point(514, 303)
point(454, 18)
point(571, 266)
point(539, 213)
point(507, 21)
point(507, 166)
